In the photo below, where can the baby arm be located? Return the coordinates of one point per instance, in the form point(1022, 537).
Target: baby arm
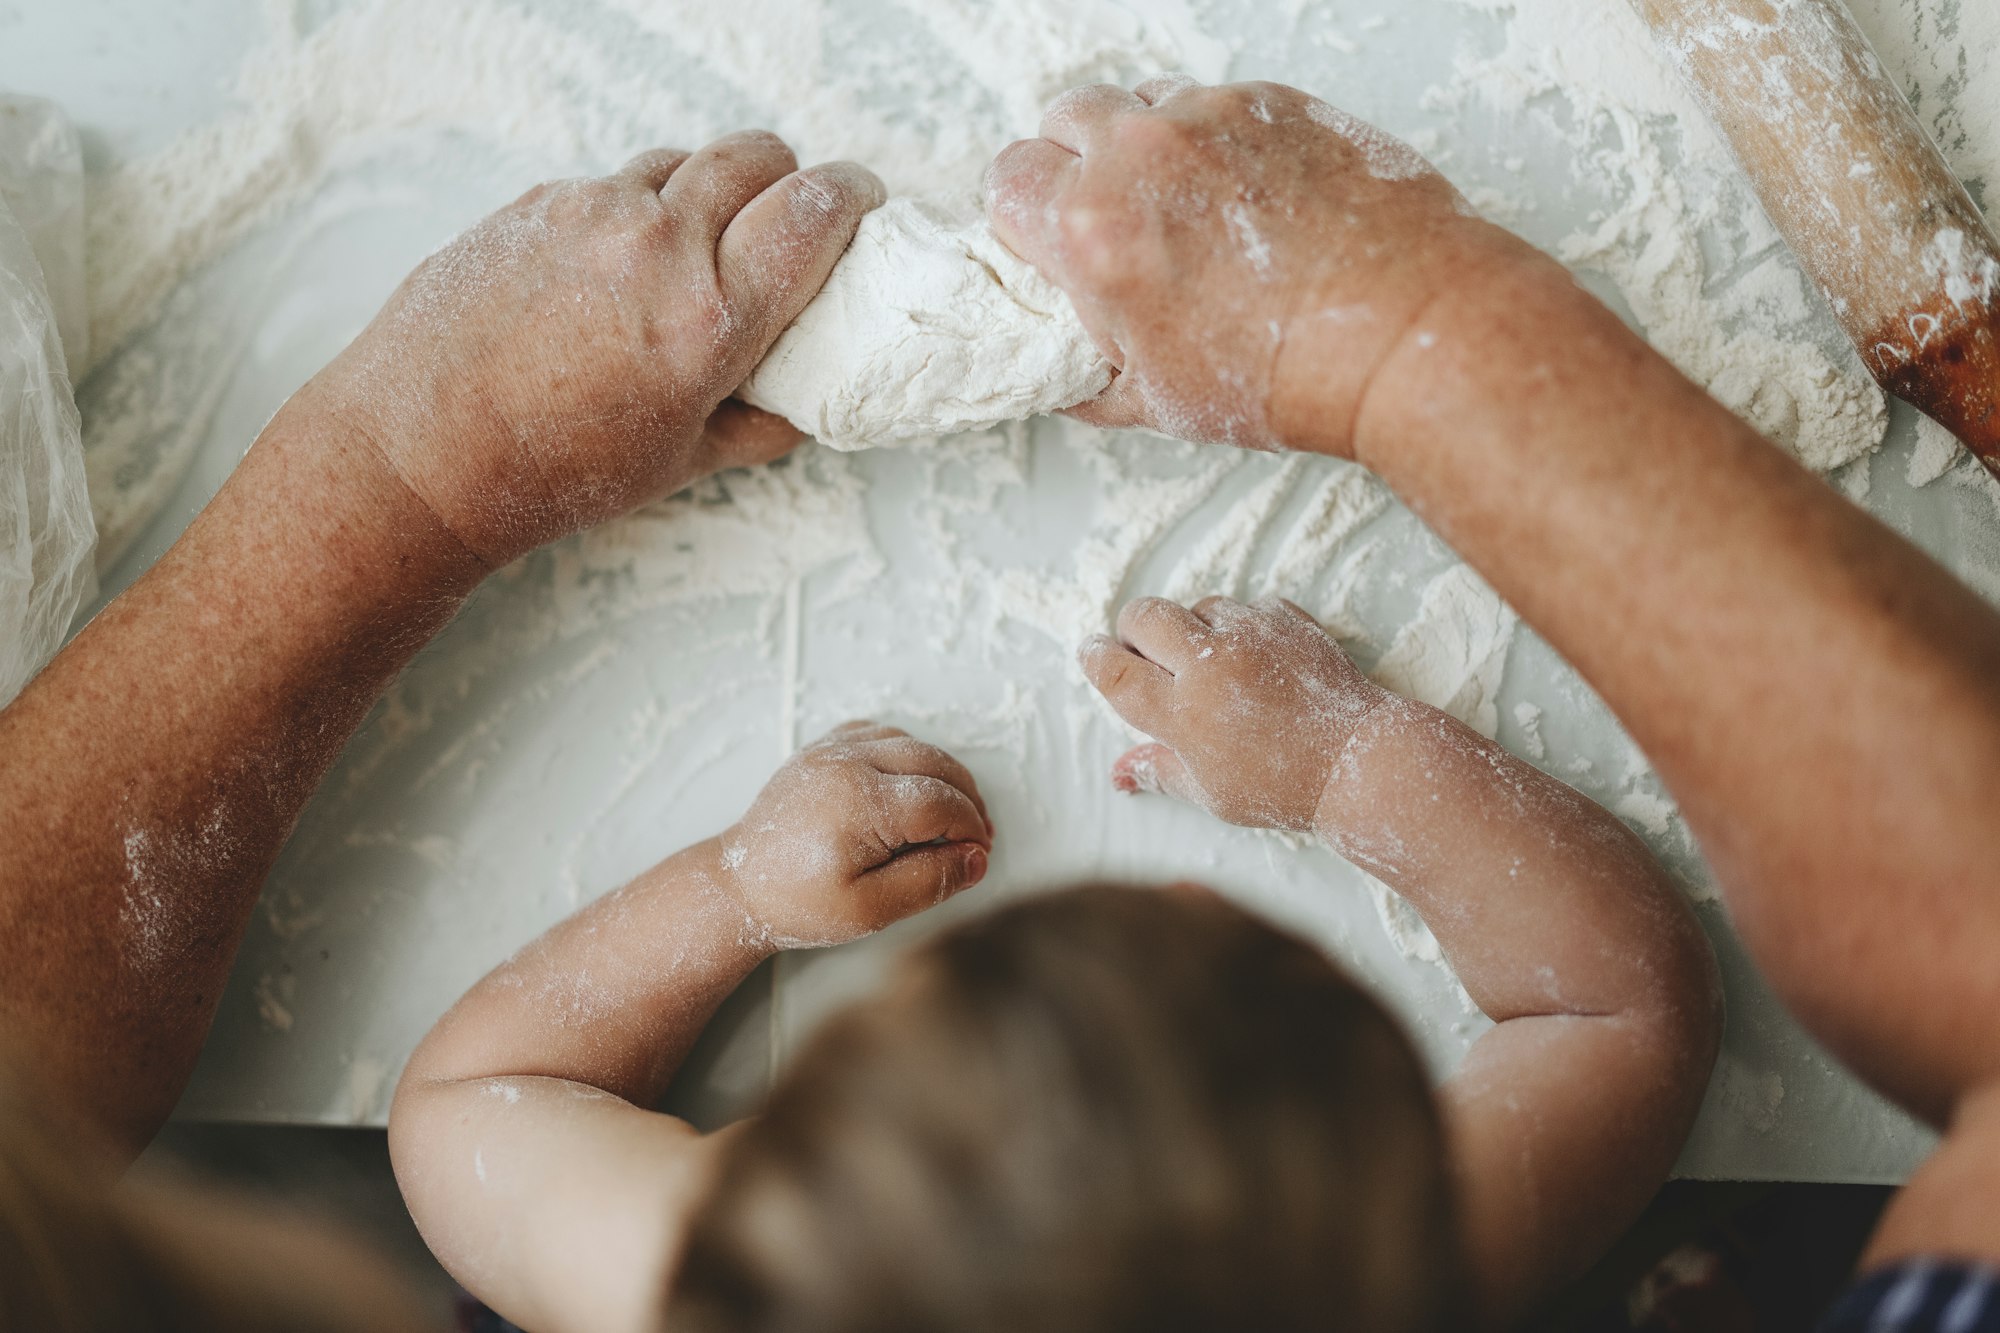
point(1568, 1113)
point(522, 1134)
point(1821, 696)
point(568, 358)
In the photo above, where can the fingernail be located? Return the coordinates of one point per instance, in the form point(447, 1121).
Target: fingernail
point(975, 865)
point(1135, 773)
point(862, 181)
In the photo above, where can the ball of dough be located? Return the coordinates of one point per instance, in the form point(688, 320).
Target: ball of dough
point(927, 325)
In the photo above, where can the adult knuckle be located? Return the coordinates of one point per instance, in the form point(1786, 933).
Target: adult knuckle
point(1097, 245)
point(1066, 103)
point(817, 194)
point(1080, 101)
point(536, 194)
point(1157, 135)
point(1010, 162)
point(706, 313)
point(597, 193)
point(750, 150)
point(564, 203)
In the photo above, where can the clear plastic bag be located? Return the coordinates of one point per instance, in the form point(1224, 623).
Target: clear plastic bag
point(46, 534)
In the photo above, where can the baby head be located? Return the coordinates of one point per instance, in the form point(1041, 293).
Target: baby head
point(1104, 1109)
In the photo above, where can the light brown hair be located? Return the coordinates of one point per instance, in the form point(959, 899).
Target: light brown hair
point(1105, 1109)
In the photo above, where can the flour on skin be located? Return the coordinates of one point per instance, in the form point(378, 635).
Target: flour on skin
point(923, 99)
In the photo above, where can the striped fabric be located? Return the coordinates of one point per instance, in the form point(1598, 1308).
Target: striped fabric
point(1921, 1297)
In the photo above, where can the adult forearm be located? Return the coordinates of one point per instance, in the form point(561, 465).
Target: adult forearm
point(1821, 697)
point(149, 776)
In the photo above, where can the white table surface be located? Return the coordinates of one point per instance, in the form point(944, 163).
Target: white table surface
point(518, 770)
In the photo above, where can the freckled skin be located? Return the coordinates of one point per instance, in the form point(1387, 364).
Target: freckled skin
point(1190, 227)
point(522, 1131)
point(1566, 1116)
point(566, 359)
point(1823, 699)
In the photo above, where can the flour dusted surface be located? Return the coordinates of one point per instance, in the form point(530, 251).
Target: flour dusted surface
point(927, 326)
point(627, 687)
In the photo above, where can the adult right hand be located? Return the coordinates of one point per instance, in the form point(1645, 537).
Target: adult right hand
point(568, 358)
point(1247, 256)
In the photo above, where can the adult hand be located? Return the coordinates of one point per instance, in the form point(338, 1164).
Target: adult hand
point(1247, 256)
point(568, 358)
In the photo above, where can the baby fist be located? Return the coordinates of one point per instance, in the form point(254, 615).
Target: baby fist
point(858, 830)
point(1251, 705)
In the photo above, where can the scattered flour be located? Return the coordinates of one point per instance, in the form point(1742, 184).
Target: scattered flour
point(1528, 717)
point(1652, 813)
point(1948, 54)
point(274, 996)
point(1219, 564)
point(1133, 515)
point(1346, 499)
point(927, 326)
point(927, 102)
point(714, 541)
point(363, 1098)
point(1453, 653)
point(1745, 324)
point(1754, 1095)
point(1937, 449)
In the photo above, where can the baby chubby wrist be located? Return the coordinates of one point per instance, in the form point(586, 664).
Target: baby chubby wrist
point(716, 865)
point(1375, 712)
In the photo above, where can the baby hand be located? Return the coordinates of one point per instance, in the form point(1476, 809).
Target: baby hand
point(1251, 704)
point(857, 831)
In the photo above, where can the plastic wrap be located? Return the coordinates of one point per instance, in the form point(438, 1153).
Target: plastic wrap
point(46, 533)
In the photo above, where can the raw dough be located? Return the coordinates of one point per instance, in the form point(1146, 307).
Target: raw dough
point(927, 325)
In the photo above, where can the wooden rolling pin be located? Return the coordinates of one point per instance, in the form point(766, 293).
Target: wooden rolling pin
point(1852, 180)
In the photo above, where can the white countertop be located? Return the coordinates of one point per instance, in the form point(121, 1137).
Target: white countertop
point(592, 711)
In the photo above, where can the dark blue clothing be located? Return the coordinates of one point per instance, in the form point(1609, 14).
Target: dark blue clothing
point(1923, 1296)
